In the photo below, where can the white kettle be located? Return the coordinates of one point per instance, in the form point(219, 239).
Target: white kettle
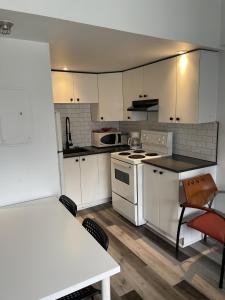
point(134, 140)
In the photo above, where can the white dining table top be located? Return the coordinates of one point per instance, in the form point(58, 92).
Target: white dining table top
point(45, 252)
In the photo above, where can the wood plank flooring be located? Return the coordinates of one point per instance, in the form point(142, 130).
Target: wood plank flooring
point(149, 269)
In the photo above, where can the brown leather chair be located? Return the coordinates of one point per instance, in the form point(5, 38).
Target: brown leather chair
point(200, 191)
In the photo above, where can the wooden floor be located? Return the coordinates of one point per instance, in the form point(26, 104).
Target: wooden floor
point(148, 267)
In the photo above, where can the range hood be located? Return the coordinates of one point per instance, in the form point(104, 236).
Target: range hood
point(144, 105)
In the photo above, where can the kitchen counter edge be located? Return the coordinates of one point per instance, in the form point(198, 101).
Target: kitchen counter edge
point(171, 163)
point(91, 150)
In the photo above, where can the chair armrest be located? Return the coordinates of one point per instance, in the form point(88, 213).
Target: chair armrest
point(198, 207)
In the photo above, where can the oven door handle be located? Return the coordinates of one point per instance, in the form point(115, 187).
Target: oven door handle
point(120, 163)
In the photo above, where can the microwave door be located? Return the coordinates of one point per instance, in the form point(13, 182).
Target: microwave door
point(109, 139)
point(124, 180)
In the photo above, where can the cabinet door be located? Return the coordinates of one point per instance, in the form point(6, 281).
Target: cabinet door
point(104, 174)
point(71, 171)
point(168, 197)
point(110, 97)
point(187, 87)
point(89, 178)
point(132, 89)
point(151, 195)
point(85, 88)
point(166, 75)
point(62, 87)
point(151, 81)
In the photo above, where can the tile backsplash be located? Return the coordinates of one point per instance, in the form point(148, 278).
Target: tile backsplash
point(80, 122)
point(199, 141)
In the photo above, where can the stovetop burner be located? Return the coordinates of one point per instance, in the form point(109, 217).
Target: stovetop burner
point(124, 153)
point(136, 156)
point(139, 151)
point(152, 154)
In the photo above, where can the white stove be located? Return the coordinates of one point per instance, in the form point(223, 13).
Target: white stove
point(127, 173)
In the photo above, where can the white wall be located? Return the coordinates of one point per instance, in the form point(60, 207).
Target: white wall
point(195, 21)
point(29, 171)
point(221, 108)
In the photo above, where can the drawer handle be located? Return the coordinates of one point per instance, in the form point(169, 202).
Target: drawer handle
point(171, 118)
point(83, 159)
point(145, 96)
point(102, 118)
point(161, 172)
point(128, 118)
point(71, 99)
point(155, 171)
point(77, 160)
point(78, 99)
point(140, 96)
point(178, 119)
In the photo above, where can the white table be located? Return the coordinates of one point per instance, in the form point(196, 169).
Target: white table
point(45, 253)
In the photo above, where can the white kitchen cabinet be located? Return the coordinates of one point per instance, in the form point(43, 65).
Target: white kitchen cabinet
point(104, 175)
point(110, 106)
point(165, 89)
point(161, 196)
point(74, 87)
point(162, 193)
point(89, 178)
point(72, 179)
point(62, 87)
point(85, 88)
point(197, 78)
point(132, 90)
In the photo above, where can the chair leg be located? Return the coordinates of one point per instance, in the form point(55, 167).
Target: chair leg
point(178, 231)
point(222, 269)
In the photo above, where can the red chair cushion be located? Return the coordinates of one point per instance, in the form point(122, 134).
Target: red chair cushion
point(210, 224)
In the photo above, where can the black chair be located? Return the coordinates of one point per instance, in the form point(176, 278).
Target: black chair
point(101, 237)
point(69, 204)
point(97, 232)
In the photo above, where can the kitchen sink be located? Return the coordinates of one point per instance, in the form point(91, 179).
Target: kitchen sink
point(75, 150)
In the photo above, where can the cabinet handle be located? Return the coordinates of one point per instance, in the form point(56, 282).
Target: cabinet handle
point(102, 118)
point(145, 96)
point(178, 119)
point(71, 99)
point(140, 96)
point(78, 99)
point(83, 159)
point(161, 172)
point(128, 118)
point(77, 160)
point(155, 171)
point(171, 118)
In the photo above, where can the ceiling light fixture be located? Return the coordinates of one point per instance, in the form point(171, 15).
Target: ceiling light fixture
point(5, 27)
point(181, 52)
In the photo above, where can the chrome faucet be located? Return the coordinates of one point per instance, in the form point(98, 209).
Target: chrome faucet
point(68, 134)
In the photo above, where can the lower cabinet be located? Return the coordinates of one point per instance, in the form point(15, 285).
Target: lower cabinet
point(87, 179)
point(162, 193)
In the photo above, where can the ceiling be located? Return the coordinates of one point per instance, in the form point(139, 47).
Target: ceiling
point(81, 47)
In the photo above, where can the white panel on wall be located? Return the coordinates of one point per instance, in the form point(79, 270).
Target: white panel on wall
point(28, 170)
point(15, 116)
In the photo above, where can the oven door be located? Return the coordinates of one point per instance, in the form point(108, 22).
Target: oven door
point(124, 180)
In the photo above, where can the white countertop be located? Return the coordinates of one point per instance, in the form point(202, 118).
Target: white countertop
point(45, 252)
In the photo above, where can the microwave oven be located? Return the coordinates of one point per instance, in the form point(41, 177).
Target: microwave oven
point(106, 139)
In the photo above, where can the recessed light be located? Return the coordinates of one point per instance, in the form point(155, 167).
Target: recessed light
point(65, 69)
point(5, 27)
point(181, 51)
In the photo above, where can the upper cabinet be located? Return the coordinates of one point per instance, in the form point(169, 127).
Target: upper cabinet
point(74, 87)
point(132, 90)
point(160, 83)
point(197, 78)
point(62, 87)
point(110, 105)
